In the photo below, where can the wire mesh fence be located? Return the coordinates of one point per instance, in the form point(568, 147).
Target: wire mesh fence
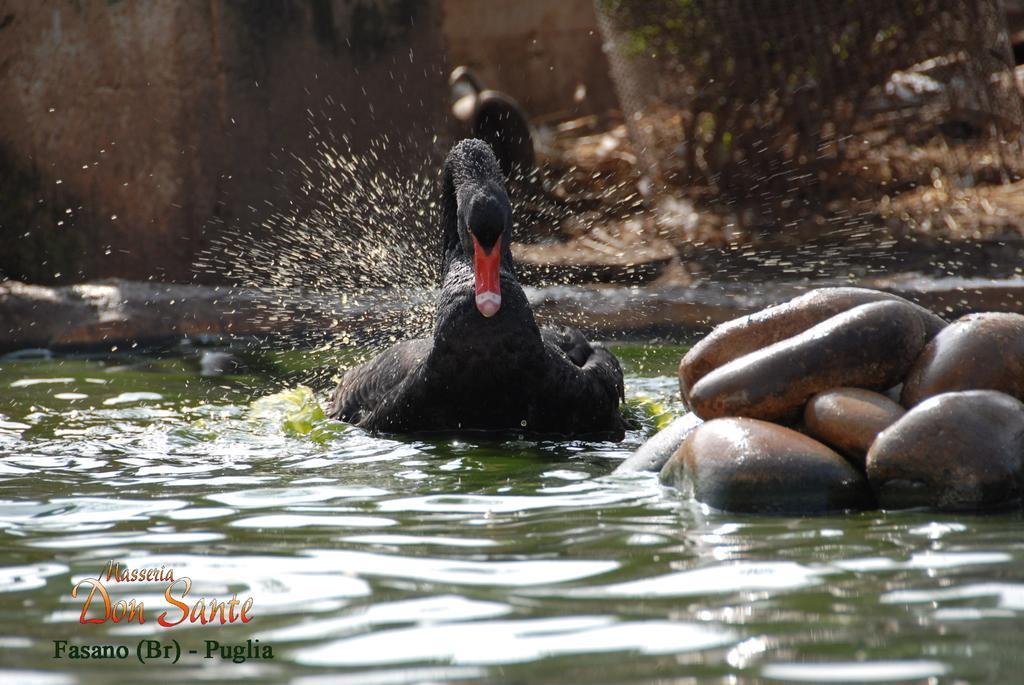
point(782, 108)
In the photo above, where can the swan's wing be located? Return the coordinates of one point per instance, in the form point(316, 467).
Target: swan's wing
point(570, 341)
point(585, 397)
point(364, 388)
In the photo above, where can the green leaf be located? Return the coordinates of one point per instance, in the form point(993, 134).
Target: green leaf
point(650, 412)
point(296, 411)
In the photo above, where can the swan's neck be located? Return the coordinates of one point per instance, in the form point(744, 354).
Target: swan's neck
point(451, 247)
point(459, 324)
point(460, 328)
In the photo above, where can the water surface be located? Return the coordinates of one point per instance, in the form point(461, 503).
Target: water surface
point(402, 561)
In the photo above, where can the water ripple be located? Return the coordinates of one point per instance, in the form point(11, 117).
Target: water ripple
point(739, 577)
point(461, 572)
point(425, 610)
point(507, 642)
point(855, 672)
point(277, 497)
point(372, 560)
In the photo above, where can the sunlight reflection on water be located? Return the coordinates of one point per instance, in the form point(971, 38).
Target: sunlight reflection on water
point(375, 560)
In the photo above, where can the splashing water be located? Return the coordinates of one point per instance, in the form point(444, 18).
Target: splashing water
point(355, 255)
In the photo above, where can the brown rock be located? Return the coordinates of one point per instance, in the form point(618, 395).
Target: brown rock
point(849, 419)
point(870, 346)
point(747, 334)
point(977, 352)
point(956, 451)
point(756, 466)
point(652, 455)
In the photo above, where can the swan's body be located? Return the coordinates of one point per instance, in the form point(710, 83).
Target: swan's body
point(488, 366)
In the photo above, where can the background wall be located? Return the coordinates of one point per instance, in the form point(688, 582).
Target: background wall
point(129, 130)
point(537, 51)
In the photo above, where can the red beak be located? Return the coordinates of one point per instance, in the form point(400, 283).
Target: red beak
point(487, 272)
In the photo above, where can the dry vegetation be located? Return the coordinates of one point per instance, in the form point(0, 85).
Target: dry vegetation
point(846, 134)
point(922, 187)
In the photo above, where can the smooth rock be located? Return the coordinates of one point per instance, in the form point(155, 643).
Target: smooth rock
point(977, 352)
point(744, 335)
point(755, 466)
point(27, 353)
point(958, 451)
point(652, 455)
point(871, 346)
point(219, 363)
point(849, 420)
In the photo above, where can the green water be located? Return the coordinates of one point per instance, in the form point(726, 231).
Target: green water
point(405, 561)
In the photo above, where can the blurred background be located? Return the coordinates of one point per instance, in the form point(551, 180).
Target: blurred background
point(680, 162)
point(669, 140)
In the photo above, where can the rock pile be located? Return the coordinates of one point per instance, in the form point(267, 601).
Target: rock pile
point(847, 398)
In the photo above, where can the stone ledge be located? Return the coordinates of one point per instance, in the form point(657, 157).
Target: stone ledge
point(103, 314)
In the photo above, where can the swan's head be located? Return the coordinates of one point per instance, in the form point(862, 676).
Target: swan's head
point(465, 88)
point(483, 217)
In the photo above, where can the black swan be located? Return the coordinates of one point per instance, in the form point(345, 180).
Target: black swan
point(495, 118)
point(488, 366)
